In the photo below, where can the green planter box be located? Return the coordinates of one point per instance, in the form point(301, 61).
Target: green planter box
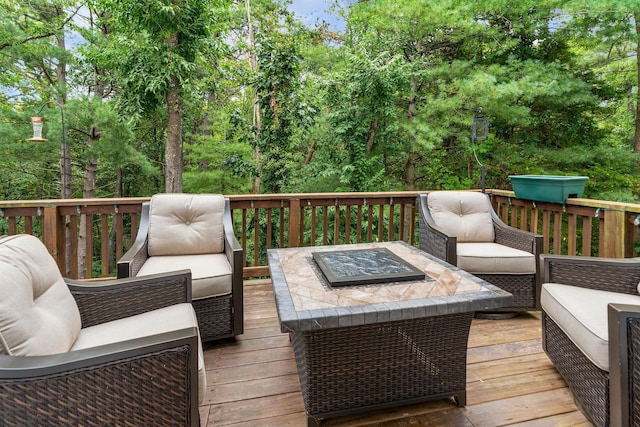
point(547, 188)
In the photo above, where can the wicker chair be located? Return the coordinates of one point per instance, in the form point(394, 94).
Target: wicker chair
point(188, 231)
point(461, 228)
point(122, 352)
point(591, 333)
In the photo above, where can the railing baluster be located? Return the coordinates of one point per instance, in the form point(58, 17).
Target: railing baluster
point(523, 218)
point(13, 229)
point(347, 224)
point(243, 241)
point(412, 223)
point(546, 232)
point(391, 220)
point(325, 225)
point(336, 224)
point(256, 237)
point(73, 235)
point(313, 226)
point(370, 223)
point(89, 234)
point(104, 247)
point(533, 225)
point(269, 227)
point(119, 234)
point(572, 230)
point(28, 225)
point(359, 225)
point(587, 222)
point(401, 229)
point(557, 232)
point(380, 222)
point(282, 212)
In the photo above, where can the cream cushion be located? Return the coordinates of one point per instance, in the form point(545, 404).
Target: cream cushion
point(38, 314)
point(172, 318)
point(463, 214)
point(210, 273)
point(493, 258)
point(186, 224)
point(582, 315)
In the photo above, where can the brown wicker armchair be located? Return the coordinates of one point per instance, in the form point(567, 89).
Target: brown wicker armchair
point(591, 333)
point(461, 228)
point(195, 232)
point(123, 352)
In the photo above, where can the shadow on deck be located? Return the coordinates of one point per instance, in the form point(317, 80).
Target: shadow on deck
point(253, 381)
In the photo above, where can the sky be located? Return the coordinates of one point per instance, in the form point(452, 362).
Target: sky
point(312, 11)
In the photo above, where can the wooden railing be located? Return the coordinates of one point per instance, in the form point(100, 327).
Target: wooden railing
point(579, 227)
point(108, 226)
point(290, 220)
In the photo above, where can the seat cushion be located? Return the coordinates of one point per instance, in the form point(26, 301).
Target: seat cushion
point(186, 224)
point(210, 274)
point(582, 316)
point(172, 318)
point(38, 314)
point(493, 258)
point(464, 214)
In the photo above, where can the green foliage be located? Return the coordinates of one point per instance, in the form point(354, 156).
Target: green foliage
point(386, 105)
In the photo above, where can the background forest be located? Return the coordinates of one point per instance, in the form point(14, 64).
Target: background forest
point(239, 96)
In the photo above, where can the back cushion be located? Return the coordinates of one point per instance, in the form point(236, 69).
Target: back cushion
point(463, 214)
point(38, 314)
point(186, 224)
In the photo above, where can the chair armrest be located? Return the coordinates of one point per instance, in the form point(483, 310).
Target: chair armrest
point(109, 300)
point(232, 247)
point(146, 381)
point(516, 238)
point(606, 274)
point(624, 363)
point(235, 256)
point(433, 240)
point(131, 262)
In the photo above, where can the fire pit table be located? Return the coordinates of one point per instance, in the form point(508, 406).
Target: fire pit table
point(376, 325)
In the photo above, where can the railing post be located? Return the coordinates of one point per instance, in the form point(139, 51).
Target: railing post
point(53, 236)
point(294, 222)
point(614, 234)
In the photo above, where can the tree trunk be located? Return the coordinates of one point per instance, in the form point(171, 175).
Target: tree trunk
point(414, 157)
point(173, 149)
point(257, 119)
point(65, 158)
point(65, 148)
point(371, 134)
point(88, 192)
point(410, 170)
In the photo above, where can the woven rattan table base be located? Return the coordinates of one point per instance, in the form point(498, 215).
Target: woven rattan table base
point(348, 370)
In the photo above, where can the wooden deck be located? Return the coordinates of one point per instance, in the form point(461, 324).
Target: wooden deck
point(252, 381)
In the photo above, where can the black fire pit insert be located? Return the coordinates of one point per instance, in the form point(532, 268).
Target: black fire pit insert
point(366, 266)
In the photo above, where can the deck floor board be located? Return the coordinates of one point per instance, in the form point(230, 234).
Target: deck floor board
point(253, 381)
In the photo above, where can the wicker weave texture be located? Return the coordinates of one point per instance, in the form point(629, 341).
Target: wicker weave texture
point(592, 274)
point(215, 316)
point(119, 302)
point(633, 340)
point(522, 287)
point(514, 238)
point(432, 242)
point(349, 369)
point(114, 394)
point(588, 383)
